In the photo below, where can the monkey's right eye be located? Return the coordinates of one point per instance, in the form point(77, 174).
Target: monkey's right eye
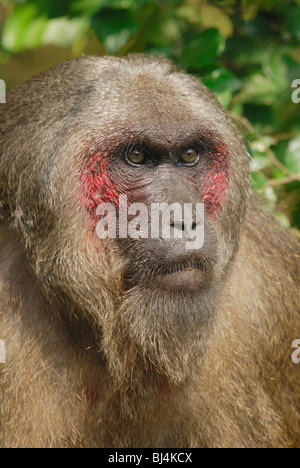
point(135, 157)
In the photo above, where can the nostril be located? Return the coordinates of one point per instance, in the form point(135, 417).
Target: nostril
point(177, 224)
point(181, 225)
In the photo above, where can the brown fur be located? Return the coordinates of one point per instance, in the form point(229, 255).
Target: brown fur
point(93, 364)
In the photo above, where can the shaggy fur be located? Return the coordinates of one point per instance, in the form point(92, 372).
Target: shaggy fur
point(95, 359)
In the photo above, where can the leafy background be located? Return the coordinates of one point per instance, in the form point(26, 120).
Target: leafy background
point(246, 51)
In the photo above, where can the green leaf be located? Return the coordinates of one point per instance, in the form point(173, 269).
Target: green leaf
point(222, 79)
point(64, 32)
point(225, 97)
point(87, 7)
point(288, 152)
point(259, 161)
point(293, 22)
point(202, 51)
point(51, 8)
point(292, 157)
point(164, 31)
point(23, 29)
point(278, 174)
point(259, 180)
point(270, 195)
point(274, 66)
point(206, 15)
point(114, 28)
point(245, 51)
point(283, 219)
point(237, 109)
point(260, 89)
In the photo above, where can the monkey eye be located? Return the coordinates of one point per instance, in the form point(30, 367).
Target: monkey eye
point(136, 157)
point(190, 156)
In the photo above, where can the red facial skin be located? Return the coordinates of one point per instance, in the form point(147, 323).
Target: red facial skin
point(98, 185)
point(216, 183)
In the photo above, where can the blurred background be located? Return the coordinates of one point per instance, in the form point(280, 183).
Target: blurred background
point(246, 51)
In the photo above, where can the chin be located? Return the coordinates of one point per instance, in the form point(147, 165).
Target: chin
point(165, 322)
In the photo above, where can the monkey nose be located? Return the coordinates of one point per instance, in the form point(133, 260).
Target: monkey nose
point(187, 223)
point(184, 227)
point(179, 223)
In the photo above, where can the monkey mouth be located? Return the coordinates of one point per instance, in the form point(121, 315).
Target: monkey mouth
point(183, 265)
point(193, 275)
point(187, 275)
point(184, 278)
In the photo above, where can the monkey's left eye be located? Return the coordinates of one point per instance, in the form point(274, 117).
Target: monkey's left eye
point(136, 157)
point(190, 156)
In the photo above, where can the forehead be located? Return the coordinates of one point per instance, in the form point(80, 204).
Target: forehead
point(154, 94)
point(164, 108)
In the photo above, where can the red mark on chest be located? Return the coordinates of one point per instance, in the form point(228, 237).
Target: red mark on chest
point(165, 387)
point(216, 182)
point(93, 395)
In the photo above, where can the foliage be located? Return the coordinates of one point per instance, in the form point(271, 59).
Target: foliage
point(246, 51)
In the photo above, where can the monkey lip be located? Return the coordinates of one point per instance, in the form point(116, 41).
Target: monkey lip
point(187, 277)
point(186, 272)
point(184, 278)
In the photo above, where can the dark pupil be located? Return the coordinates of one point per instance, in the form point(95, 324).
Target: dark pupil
point(136, 156)
point(189, 155)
